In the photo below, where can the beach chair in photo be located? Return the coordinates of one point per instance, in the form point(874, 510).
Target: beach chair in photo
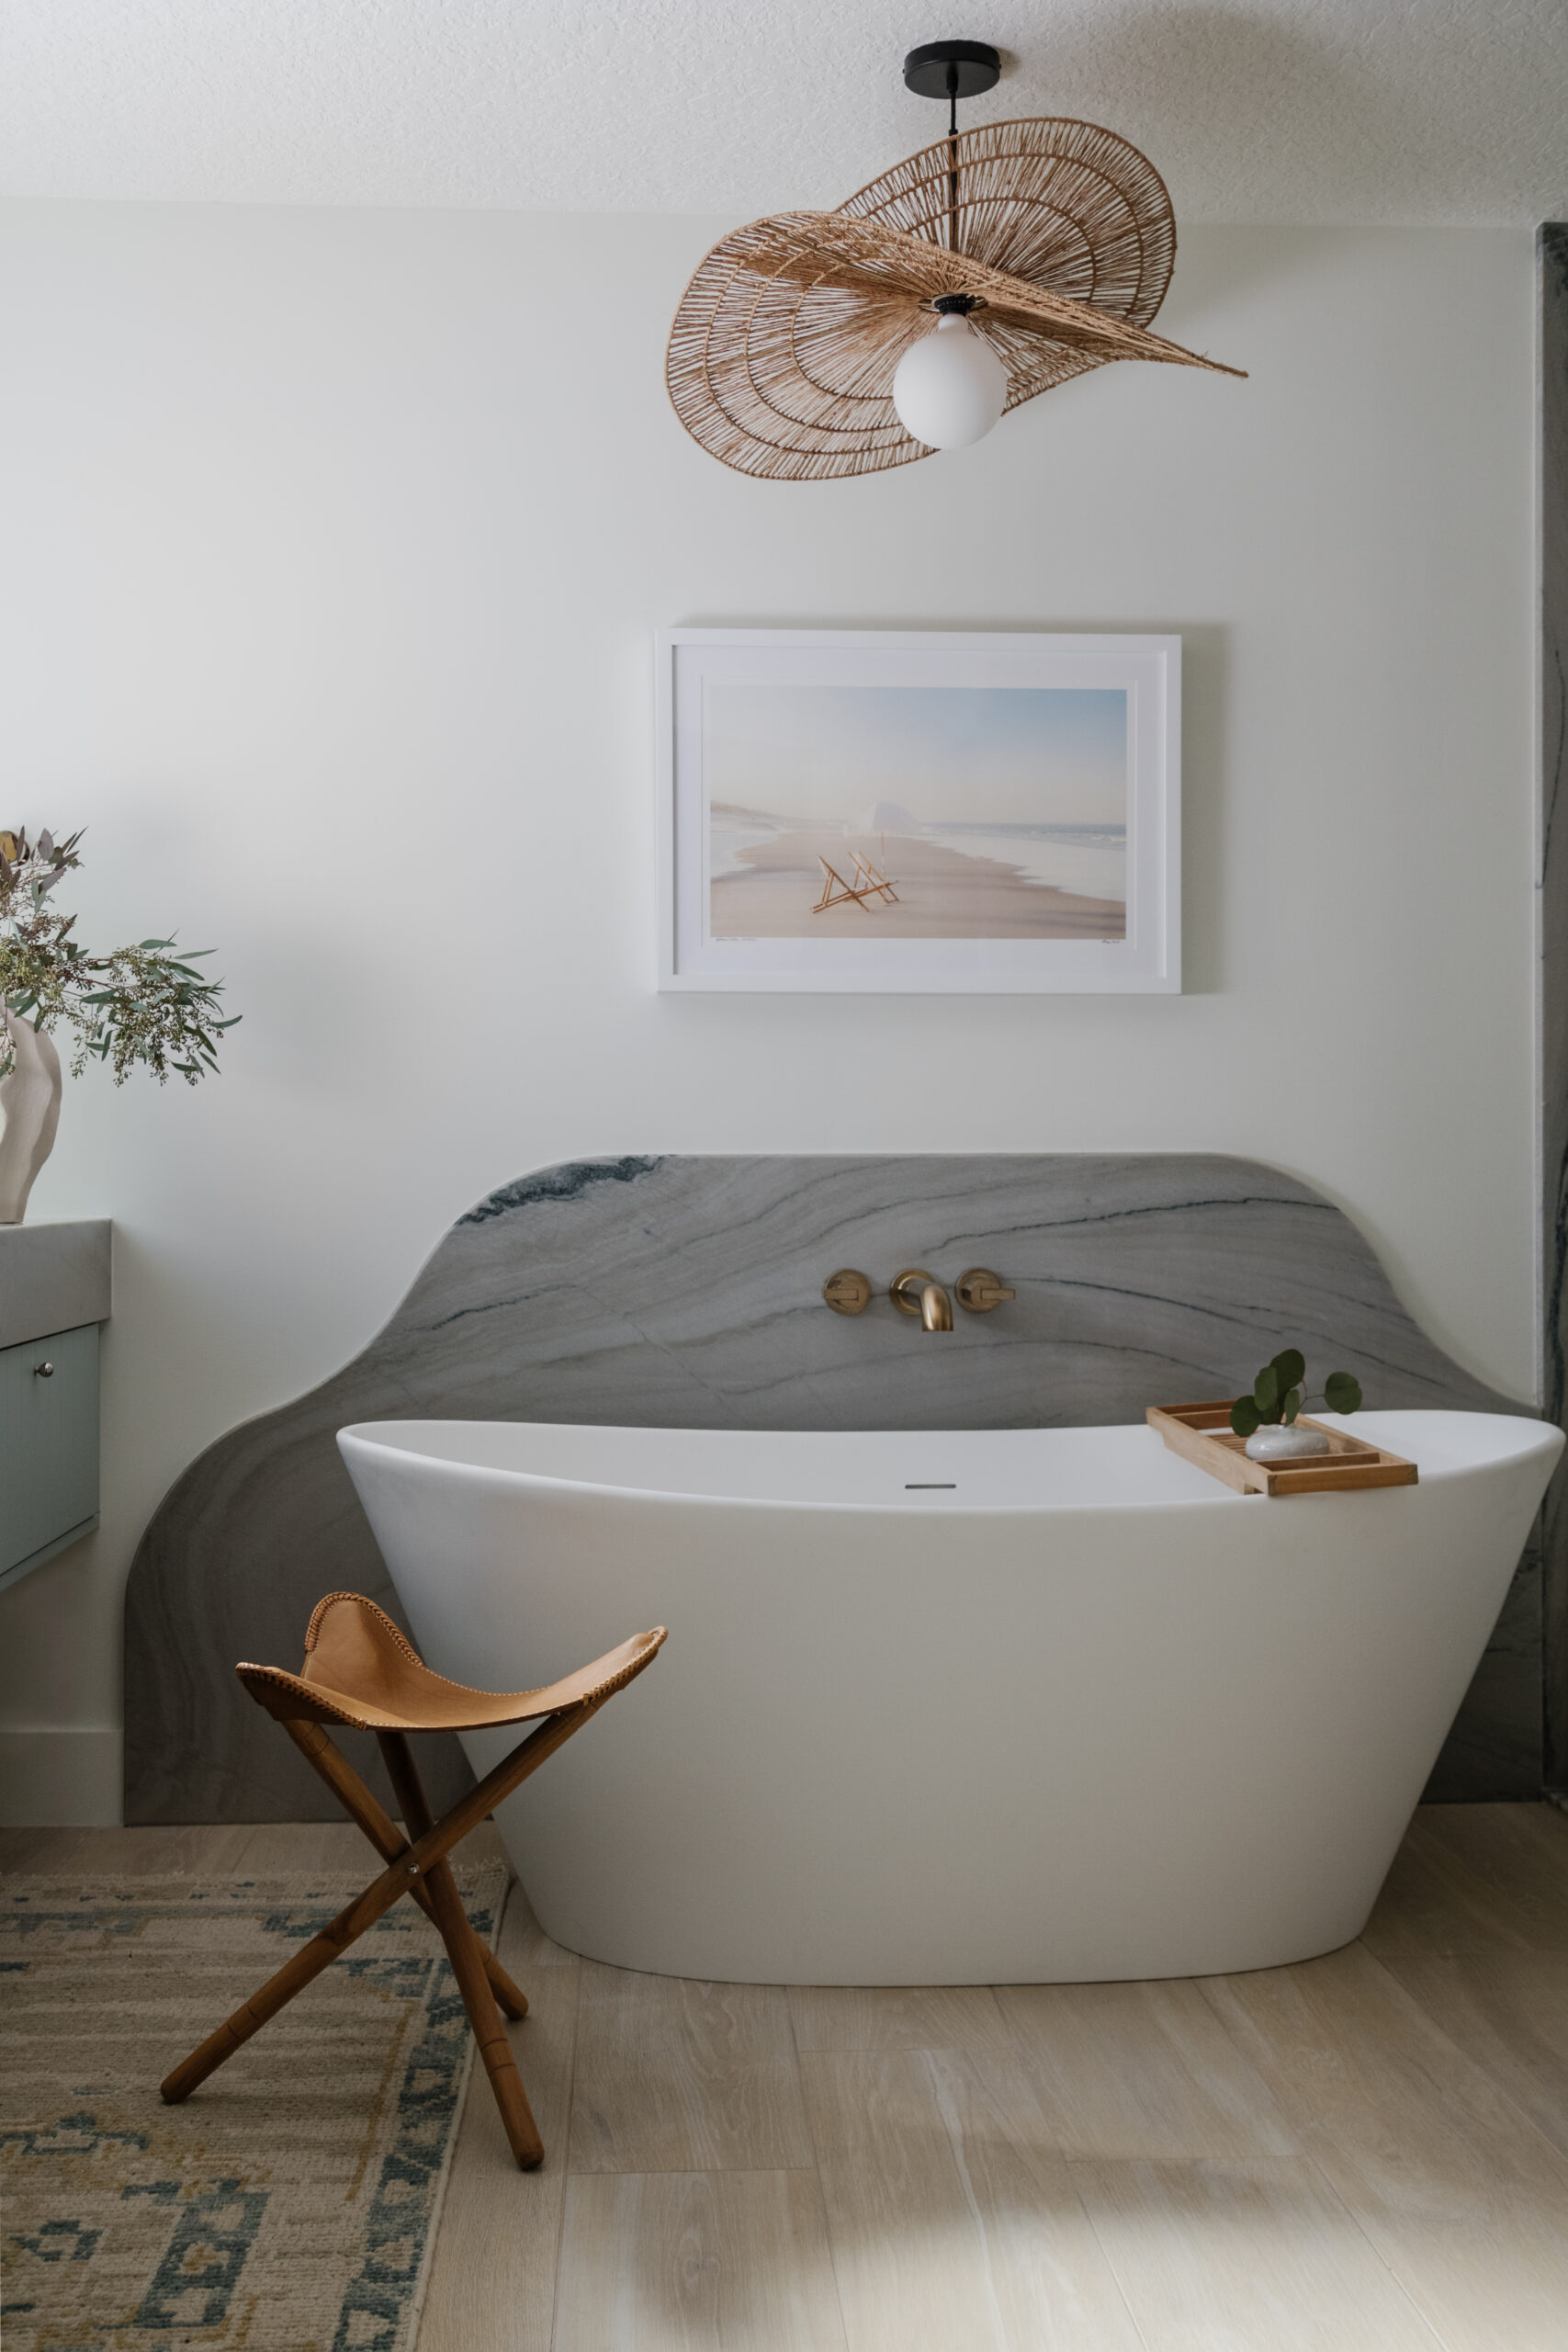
point(868, 884)
point(836, 891)
point(874, 884)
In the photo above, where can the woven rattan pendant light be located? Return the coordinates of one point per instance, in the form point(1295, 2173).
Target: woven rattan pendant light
point(1054, 239)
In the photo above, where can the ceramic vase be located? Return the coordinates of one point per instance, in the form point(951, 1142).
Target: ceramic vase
point(29, 1114)
point(1277, 1444)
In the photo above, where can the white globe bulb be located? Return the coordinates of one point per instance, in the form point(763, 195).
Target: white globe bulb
point(950, 388)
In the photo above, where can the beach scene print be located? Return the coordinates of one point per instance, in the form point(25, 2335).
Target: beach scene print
point(915, 812)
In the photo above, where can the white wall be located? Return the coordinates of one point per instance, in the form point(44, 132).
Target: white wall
point(333, 545)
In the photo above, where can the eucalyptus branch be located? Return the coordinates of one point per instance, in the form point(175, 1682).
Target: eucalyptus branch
point(144, 1003)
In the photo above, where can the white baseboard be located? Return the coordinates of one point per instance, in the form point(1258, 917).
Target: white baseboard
point(59, 1780)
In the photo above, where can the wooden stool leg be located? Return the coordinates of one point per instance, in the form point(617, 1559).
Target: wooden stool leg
point(292, 1977)
point(358, 1803)
point(412, 1861)
point(466, 1955)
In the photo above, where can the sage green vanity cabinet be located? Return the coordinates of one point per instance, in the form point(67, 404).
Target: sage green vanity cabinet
point(54, 1293)
point(48, 1444)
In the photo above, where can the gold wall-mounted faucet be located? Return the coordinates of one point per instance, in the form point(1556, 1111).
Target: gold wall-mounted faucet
point(915, 1293)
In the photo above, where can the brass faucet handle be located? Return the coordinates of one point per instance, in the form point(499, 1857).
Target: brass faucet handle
point(847, 1293)
point(979, 1290)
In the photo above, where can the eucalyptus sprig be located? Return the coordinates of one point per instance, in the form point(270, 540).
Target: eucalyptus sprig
point(143, 1003)
point(1280, 1392)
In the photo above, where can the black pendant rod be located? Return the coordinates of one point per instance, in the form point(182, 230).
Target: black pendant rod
point(953, 158)
point(952, 70)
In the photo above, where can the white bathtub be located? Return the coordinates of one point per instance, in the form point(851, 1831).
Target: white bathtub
point(1083, 1715)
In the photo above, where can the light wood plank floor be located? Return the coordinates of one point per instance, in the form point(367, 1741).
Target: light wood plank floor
point(1364, 2154)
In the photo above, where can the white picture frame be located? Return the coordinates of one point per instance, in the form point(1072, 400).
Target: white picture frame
point(982, 721)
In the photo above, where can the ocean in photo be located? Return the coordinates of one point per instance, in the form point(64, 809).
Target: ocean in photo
point(1089, 860)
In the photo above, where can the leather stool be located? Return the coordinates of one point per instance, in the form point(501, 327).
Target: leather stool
point(359, 1670)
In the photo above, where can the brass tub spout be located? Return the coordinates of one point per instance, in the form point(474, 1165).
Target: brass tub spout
point(915, 1293)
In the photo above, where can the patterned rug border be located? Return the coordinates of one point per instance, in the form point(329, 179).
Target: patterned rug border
point(301, 1886)
point(354, 1880)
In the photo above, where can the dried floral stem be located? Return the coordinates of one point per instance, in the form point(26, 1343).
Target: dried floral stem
point(142, 1003)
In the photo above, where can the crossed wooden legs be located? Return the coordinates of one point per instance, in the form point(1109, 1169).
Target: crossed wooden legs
point(468, 1956)
point(358, 1803)
point(419, 1868)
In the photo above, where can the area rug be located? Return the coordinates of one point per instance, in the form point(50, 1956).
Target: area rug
point(289, 2205)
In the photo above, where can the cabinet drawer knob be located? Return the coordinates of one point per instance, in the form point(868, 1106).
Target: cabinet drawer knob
point(43, 1371)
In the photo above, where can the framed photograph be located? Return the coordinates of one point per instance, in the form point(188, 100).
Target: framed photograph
point(855, 810)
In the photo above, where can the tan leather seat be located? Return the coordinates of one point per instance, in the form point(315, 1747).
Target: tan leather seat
point(359, 1670)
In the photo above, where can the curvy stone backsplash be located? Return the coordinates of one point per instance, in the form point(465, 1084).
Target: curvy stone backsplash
point(686, 1292)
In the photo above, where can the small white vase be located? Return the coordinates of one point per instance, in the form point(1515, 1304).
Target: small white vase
point(29, 1114)
point(1278, 1443)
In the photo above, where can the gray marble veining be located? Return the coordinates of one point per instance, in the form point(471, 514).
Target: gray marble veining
point(1553, 934)
point(53, 1278)
point(679, 1292)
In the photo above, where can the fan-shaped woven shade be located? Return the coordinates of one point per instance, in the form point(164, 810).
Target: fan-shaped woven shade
point(784, 346)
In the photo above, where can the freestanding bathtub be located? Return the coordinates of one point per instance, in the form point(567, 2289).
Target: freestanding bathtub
point(999, 1706)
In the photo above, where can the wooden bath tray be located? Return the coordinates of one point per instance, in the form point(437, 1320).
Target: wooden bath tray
point(1203, 1433)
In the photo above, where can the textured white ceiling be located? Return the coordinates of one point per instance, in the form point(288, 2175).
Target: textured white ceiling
point(1274, 110)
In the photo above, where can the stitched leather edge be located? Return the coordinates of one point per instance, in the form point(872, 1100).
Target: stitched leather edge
point(330, 1601)
point(315, 1694)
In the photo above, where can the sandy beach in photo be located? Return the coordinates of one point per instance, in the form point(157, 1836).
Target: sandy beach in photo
point(942, 893)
